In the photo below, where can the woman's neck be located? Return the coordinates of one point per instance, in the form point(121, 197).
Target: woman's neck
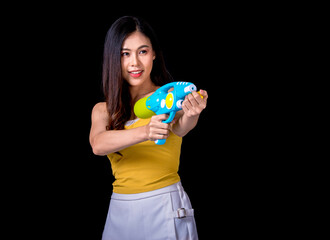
point(140, 91)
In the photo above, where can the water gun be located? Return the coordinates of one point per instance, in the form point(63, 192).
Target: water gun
point(162, 101)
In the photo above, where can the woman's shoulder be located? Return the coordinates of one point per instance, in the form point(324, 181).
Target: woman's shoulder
point(100, 108)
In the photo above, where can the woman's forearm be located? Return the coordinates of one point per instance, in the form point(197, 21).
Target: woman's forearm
point(115, 140)
point(192, 107)
point(184, 125)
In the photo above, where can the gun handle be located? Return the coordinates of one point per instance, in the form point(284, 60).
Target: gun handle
point(168, 120)
point(160, 141)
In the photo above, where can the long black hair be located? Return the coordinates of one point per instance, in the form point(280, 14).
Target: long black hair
point(115, 88)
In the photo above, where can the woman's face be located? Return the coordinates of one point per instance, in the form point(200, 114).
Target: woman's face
point(137, 58)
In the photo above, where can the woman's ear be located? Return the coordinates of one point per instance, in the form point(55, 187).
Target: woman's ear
point(154, 56)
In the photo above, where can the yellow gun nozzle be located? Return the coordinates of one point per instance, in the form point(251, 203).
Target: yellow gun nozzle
point(141, 110)
point(200, 94)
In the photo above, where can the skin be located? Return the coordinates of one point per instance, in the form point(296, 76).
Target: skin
point(137, 55)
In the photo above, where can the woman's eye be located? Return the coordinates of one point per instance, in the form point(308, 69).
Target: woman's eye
point(143, 52)
point(125, 54)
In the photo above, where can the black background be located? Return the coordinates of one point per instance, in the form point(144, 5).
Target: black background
point(228, 162)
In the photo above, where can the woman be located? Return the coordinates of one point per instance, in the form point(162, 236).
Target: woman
point(148, 201)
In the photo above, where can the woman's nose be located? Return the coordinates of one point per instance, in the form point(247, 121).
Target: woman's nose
point(134, 60)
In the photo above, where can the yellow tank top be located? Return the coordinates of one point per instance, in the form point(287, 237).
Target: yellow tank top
point(146, 166)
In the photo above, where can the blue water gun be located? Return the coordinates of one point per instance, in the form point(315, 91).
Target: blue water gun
point(163, 101)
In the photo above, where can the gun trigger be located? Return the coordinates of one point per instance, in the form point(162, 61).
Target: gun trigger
point(170, 118)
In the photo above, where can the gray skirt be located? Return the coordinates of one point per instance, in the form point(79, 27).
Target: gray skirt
point(164, 213)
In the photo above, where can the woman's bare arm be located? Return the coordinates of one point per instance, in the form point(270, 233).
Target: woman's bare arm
point(192, 107)
point(104, 141)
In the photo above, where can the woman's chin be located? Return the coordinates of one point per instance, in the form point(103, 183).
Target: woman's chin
point(135, 82)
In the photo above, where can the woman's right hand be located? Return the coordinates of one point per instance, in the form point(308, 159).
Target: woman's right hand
point(156, 129)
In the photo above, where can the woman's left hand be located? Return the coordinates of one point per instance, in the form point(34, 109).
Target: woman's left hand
point(194, 104)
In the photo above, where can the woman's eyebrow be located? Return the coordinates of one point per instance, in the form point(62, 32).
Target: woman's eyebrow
point(142, 46)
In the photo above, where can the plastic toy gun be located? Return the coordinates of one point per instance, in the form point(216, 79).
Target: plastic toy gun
point(162, 101)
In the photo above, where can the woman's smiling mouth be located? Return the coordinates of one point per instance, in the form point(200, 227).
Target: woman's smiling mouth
point(135, 74)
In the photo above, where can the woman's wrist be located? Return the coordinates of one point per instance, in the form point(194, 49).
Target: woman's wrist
point(144, 133)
